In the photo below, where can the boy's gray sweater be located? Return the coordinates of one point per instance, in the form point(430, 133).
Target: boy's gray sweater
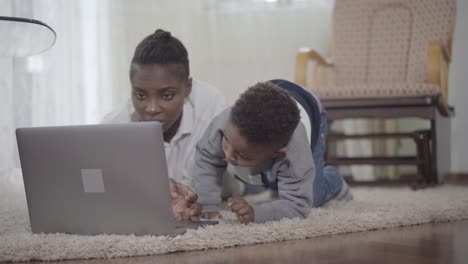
point(293, 172)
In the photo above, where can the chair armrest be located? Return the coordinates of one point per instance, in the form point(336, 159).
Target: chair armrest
point(302, 59)
point(438, 60)
point(446, 55)
point(445, 109)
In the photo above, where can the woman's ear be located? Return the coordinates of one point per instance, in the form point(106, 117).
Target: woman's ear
point(280, 152)
point(188, 87)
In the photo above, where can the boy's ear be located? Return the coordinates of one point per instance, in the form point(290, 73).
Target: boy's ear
point(188, 87)
point(280, 152)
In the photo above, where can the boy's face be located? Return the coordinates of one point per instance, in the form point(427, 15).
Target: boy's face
point(240, 153)
point(158, 94)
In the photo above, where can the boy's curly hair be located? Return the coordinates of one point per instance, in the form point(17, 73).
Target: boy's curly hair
point(161, 48)
point(265, 115)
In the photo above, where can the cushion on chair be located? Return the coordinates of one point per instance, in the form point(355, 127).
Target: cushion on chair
point(377, 90)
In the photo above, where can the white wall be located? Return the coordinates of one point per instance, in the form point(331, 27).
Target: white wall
point(231, 44)
point(458, 90)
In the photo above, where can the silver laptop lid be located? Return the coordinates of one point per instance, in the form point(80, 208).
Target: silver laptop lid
point(96, 179)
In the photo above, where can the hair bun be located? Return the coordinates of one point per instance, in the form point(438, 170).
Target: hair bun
point(161, 34)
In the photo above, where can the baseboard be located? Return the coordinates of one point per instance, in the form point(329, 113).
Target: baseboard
point(457, 178)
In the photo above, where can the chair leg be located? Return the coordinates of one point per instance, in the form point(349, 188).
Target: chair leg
point(424, 177)
point(421, 170)
point(426, 152)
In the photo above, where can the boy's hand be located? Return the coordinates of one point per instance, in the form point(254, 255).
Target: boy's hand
point(210, 215)
point(184, 205)
point(242, 209)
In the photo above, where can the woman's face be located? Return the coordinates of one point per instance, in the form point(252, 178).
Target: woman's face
point(158, 93)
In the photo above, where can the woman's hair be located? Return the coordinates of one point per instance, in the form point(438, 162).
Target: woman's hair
point(161, 48)
point(265, 115)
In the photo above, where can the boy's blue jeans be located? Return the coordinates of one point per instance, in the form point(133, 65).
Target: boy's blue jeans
point(327, 182)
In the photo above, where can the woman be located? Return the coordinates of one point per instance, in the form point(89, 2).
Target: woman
point(162, 90)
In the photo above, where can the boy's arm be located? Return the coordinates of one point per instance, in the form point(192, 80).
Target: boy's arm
point(210, 165)
point(295, 197)
point(295, 175)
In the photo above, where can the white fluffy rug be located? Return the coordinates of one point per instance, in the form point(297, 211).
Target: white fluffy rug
point(372, 208)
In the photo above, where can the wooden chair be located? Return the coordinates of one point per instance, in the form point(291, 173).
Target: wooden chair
point(390, 60)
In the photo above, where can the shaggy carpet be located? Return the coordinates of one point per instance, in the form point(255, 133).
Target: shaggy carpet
point(372, 208)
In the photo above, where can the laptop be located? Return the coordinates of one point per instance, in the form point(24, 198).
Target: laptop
point(98, 179)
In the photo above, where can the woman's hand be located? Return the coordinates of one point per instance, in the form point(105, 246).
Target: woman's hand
point(184, 202)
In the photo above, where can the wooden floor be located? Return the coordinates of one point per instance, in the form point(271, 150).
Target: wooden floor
point(430, 243)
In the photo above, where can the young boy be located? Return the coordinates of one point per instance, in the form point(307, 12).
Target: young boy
point(262, 138)
point(162, 90)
